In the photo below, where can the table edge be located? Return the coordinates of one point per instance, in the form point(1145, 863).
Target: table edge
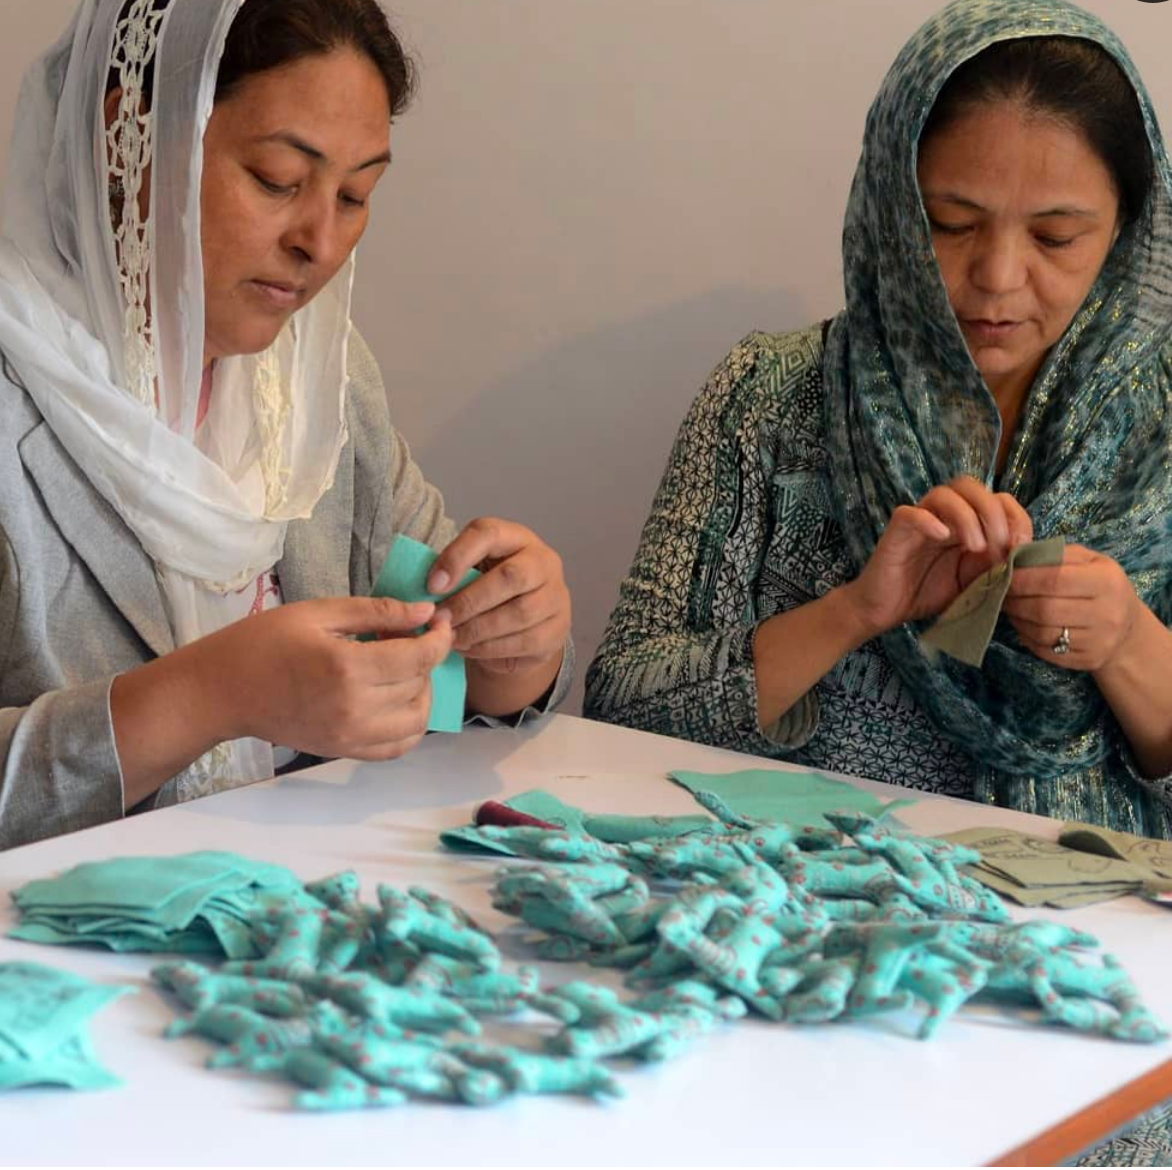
point(1098, 1121)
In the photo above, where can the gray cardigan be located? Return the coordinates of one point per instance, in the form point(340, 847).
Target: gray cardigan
point(79, 603)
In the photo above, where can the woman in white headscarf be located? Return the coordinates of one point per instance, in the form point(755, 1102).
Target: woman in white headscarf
point(200, 444)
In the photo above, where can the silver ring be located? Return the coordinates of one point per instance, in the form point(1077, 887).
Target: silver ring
point(1062, 646)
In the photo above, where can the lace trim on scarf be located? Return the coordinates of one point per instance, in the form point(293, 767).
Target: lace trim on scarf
point(129, 141)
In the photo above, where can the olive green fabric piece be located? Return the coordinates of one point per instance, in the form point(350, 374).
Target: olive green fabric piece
point(965, 629)
point(1153, 858)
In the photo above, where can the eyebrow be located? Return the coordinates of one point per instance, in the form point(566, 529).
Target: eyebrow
point(288, 138)
point(1048, 213)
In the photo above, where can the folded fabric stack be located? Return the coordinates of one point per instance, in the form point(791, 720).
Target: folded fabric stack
point(194, 903)
point(1036, 872)
point(43, 1018)
point(1152, 858)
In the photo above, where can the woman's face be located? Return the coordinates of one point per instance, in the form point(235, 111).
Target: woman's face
point(291, 160)
point(1023, 214)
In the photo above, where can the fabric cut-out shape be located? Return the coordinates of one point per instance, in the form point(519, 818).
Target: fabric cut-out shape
point(795, 797)
point(201, 987)
point(532, 1072)
point(965, 629)
point(44, 1022)
point(404, 576)
point(1152, 857)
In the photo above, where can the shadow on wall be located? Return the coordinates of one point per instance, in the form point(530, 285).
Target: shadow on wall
point(609, 403)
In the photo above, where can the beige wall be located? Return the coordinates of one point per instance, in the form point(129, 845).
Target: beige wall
point(590, 202)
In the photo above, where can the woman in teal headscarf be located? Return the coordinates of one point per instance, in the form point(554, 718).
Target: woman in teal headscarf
point(1002, 373)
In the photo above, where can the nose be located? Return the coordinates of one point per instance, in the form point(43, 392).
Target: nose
point(313, 233)
point(998, 263)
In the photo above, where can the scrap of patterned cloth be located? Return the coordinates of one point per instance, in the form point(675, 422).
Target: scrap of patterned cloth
point(44, 1016)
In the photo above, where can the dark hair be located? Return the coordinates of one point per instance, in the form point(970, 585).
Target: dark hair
point(1068, 78)
point(267, 34)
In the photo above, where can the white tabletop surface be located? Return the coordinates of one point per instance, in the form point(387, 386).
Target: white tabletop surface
point(753, 1093)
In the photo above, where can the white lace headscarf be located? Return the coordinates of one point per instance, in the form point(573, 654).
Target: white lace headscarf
point(104, 323)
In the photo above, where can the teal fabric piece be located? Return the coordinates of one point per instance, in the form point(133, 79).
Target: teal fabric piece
point(43, 1017)
point(622, 830)
point(404, 577)
point(604, 826)
point(195, 903)
point(798, 798)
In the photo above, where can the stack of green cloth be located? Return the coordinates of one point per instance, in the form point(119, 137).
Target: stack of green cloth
point(1036, 872)
point(43, 1018)
point(194, 903)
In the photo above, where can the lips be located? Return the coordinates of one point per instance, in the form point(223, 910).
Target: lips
point(280, 293)
point(988, 329)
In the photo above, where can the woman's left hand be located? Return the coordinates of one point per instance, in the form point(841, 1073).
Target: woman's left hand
point(1088, 595)
point(517, 615)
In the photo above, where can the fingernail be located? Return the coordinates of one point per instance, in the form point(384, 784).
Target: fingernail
point(439, 581)
point(443, 615)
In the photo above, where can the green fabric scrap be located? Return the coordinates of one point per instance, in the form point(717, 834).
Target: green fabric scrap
point(798, 798)
point(404, 576)
point(43, 1017)
point(965, 629)
point(604, 826)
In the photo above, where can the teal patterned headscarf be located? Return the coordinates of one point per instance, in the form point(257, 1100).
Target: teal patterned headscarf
point(907, 408)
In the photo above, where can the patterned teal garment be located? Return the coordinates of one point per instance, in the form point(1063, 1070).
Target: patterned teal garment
point(793, 459)
point(907, 409)
point(744, 526)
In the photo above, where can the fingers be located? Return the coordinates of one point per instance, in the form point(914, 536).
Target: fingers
point(540, 641)
point(383, 616)
point(395, 661)
point(919, 522)
point(513, 617)
point(485, 539)
point(1087, 605)
point(991, 523)
point(521, 575)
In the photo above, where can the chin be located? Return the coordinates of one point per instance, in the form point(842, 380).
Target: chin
point(248, 341)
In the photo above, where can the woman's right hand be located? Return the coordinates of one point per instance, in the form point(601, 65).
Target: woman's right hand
point(294, 675)
point(928, 554)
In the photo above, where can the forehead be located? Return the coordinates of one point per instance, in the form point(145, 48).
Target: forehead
point(340, 96)
point(1002, 147)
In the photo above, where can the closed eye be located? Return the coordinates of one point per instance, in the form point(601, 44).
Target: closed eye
point(950, 229)
point(271, 188)
point(1055, 242)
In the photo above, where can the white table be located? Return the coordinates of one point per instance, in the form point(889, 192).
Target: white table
point(753, 1093)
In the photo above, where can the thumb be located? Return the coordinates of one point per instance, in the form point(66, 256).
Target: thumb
point(379, 615)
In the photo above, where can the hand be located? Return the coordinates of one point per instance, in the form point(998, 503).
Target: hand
point(1088, 594)
point(930, 553)
point(294, 676)
point(517, 615)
